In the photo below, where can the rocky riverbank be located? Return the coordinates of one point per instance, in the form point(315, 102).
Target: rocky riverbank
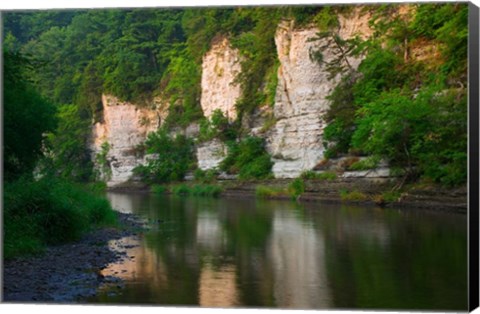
point(70, 272)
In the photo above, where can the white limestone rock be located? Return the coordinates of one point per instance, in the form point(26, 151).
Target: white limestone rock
point(124, 127)
point(295, 142)
point(220, 66)
point(210, 154)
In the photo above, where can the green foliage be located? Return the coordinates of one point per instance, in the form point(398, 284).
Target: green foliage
point(172, 158)
point(355, 196)
point(365, 164)
point(217, 127)
point(446, 23)
point(67, 154)
point(409, 112)
point(49, 211)
point(327, 175)
point(308, 175)
point(263, 191)
point(258, 49)
point(311, 175)
point(208, 190)
point(180, 189)
point(27, 116)
point(102, 161)
point(97, 187)
point(205, 176)
point(340, 118)
point(326, 19)
point(181, 83)
point(248, 158)
point(391, 196)
point(158, 189)
point(296, 188)
point(424, 134)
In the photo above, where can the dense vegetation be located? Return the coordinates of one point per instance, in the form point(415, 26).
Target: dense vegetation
point(40, 205)
point(407, 101)
point(248, 158)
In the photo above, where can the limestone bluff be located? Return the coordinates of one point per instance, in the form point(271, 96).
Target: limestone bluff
point(294, 142)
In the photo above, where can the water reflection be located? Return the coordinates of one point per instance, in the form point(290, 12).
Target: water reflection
point(226, 253)
point(297, 255)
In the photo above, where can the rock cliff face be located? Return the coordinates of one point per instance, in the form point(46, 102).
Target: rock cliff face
point(295, 141)
point(125, 126)
point(210, 154)
point(303, 85)
point(220, 66)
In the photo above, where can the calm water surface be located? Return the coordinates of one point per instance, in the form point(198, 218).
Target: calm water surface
point(252, 253)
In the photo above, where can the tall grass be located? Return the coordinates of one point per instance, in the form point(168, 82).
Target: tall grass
point(158, 189)
point(49, 211)
point(263, 191)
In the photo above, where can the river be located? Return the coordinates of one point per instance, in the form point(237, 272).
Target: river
point(231, 252)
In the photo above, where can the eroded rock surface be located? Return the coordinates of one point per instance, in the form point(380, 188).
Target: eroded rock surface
point(296, 140)
point(124, 127)
point(210, 154)
point(220, 66)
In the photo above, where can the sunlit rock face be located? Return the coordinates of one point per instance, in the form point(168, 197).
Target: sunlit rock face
point(210, 154)
point(295, 141)
point(124, 127)
point(220, 66)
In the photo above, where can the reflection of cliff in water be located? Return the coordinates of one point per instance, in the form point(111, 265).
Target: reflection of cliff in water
point(297, 253)
point(224, 252)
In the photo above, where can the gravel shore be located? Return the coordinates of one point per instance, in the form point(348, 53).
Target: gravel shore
point(68, 273)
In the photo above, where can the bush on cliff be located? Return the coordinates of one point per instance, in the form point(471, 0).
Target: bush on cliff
point(248, 158)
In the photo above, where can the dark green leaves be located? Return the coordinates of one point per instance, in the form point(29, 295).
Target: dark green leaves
point(172, 158)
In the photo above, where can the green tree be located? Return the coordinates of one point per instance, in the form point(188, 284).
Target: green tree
point(27, 116)
point(67, 148)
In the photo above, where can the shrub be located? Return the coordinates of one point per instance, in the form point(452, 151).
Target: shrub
point(181, 189)
point(205, 176)
point(206, 190)
point(311, 175)
point(49, 211)
point(327, 175)
point(364, 164)
point(248, 158)
point(262, 191)
point(296, 188)
point(308, 175)
point(158, 189)
point(103, 163)
point(352, 196)
point(174, 157)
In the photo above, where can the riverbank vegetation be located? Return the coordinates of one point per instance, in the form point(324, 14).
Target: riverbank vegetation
point(196, 189)
point(407, 101)
point(42, 205)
